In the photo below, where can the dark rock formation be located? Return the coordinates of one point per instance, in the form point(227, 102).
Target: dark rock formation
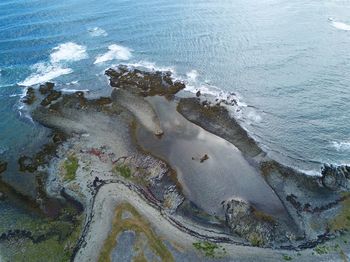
point(26, 164)
point(3, 166)
point(46, 88)
point(336, 178)
point(52, 96)
point(143, 82)
point(30, 96)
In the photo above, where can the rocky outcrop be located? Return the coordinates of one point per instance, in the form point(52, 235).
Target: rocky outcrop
point(46, 88)
point(336, 178)
point(143, 82)
point(30, 96)
point(240, 218)
point(52, 96)
point(258, 228)
point(26, 164)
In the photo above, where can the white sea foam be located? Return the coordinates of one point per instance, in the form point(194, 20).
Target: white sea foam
point(115, 52)
point(45, 72)
point(68, 90)
point(68, 52)
point(340, 25)
point(341, 146)
point(97, 31)
point(192, 75)
point(146, 65)
point(254, 116)
point(72, 83)
point(310, 172)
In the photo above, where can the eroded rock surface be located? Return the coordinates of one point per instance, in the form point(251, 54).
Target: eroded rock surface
point(336, 177)
point(143, 82)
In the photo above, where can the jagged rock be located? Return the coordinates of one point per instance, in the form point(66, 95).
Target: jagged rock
point(143, 82)
point(3, 166)
point(46, 88)
point(198, 94)
point(258, 228)
point(204, 158)
point(336, 178)
point(26, 164)
point(30, 96)
point(52, 96)
point(172, 199)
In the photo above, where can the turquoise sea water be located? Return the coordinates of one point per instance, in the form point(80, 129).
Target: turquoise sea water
point(287, 61)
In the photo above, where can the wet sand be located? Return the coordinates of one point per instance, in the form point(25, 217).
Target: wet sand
point(224, 175)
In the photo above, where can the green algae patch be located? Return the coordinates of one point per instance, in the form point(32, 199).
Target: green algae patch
point(137, 224)
point(41, 239)
point(342, 220)
point(322, 250)
point(256, 240)
point(209, 249)
point(124, 171)
point(287, 258)
point(71, 166)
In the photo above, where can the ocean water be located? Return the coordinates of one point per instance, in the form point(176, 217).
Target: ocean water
point(288, 62)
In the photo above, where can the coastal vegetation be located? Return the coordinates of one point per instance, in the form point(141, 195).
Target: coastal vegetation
point(71, 166)
point(342, 220)
point(210, 249)
point(123, 170)
point(137, 224)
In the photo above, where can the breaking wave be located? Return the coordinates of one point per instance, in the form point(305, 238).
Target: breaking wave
point(115, 52)
point(341, 146)
point(340, 25)
point(43, 72)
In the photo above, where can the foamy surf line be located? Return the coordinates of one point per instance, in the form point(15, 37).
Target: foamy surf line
point(341, 146)
point(193, 85)
point(67, 90)
point(46, 71)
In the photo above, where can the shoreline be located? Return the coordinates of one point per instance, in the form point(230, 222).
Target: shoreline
point(100, 150)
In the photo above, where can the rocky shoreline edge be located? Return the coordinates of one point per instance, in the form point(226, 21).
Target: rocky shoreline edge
point(97, 160)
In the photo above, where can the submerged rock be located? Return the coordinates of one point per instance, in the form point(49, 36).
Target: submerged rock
point(140, 108)
point(2, 196)
point(3, 166)
point(336, 178)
